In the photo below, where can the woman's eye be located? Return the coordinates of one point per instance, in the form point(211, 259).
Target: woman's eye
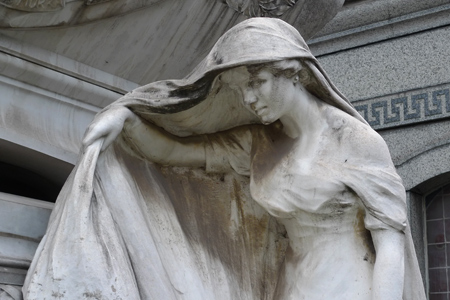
point(256, 83)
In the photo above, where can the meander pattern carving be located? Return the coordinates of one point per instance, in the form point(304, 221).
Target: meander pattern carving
point(406, 108)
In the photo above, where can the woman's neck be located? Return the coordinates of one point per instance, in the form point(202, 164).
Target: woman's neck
point(305, 119)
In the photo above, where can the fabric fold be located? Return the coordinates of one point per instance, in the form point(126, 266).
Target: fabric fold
point(125, 228)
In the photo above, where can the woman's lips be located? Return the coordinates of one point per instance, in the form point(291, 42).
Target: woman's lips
point(260, 110)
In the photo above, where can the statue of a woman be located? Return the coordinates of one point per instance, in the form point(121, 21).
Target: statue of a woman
point(188, 189)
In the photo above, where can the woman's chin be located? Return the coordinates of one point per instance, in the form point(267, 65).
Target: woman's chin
point(266, 120)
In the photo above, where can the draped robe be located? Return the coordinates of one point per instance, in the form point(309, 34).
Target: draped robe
point(126, 228)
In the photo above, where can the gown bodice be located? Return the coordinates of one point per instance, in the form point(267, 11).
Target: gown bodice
point(331, 253)
point(328, 199)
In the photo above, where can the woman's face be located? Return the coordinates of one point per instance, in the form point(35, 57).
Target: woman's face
point(269, 97)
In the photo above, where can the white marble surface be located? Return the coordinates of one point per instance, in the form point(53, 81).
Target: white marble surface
point(32, 122)
point(46, 110)
point(199, 217)
point(162, 41)
point(19, 239)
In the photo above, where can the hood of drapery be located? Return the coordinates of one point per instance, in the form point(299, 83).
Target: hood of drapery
point(201, 103)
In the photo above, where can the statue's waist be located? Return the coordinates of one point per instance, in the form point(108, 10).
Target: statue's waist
point(337, 235)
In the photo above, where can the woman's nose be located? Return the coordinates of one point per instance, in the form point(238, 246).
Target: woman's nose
point(249, 97)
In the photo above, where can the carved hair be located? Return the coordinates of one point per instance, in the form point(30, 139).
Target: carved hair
point(286, 68)
point(309, 76)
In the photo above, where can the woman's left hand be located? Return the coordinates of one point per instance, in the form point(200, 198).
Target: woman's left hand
point(107, 125)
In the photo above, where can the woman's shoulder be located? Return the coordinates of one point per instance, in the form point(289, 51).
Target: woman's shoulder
point(358, 139)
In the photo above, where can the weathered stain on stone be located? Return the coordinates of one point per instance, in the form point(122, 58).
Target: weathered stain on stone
point(57, 295)
point(97, 295)
point(364, 235)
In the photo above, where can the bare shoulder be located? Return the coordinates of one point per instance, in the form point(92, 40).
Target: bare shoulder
point(358, 140)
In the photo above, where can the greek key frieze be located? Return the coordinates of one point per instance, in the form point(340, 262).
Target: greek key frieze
point(406, 108)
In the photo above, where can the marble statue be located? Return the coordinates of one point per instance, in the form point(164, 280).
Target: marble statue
point(251, 178)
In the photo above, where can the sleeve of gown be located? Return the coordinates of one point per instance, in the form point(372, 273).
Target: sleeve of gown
point(229, 150)
point(371, 174)
point(384, 198)
point(383, 195)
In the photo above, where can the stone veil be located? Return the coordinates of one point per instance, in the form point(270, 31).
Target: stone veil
point(126, 228)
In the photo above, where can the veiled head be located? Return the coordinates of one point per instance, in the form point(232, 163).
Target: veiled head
point(199, 103)
point(255, 41)
point(268, 90)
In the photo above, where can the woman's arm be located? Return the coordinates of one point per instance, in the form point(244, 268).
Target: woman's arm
point(151, 142)
point(157, 145)
point(374, 179)
point(389, 270)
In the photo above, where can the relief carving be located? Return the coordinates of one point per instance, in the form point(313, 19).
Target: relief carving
point(261, 8)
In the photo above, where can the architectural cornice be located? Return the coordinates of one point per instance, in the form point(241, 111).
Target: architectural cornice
point(26, 201)
point(368, 22)
point(19, 240)
point(48, 100)
point(56, 66)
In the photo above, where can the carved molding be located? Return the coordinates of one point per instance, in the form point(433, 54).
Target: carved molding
point(261, 8)
point(10, 291)
point(24, 201)
point(51, 105)
point(374, 21)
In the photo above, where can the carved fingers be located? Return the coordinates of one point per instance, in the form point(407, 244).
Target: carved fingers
point(107, 125)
